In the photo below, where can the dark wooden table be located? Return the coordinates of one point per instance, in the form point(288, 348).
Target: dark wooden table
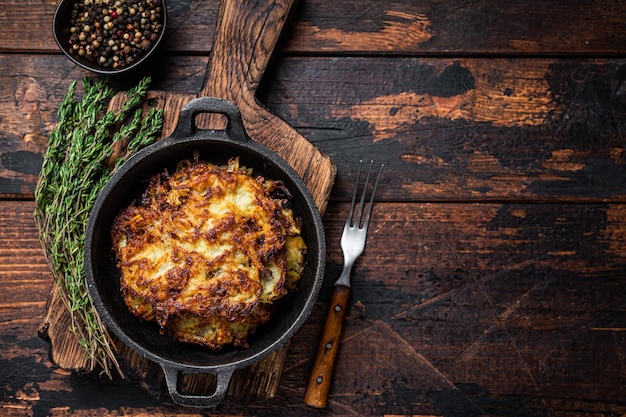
point(494, 278)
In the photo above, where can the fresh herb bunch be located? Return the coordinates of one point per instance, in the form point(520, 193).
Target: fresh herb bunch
point(75, 167)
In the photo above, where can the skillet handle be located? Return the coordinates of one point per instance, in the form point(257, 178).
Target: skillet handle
point(187, 126)
point(199, 401)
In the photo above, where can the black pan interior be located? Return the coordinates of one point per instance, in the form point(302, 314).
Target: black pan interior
point(129, 183)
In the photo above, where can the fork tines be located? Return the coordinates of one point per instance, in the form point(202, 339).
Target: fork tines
point(358, 219)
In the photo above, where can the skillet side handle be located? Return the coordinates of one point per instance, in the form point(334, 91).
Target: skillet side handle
point(199, 401)
point(187, 126)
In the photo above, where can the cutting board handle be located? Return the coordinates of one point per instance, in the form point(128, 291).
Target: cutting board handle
point(245, 38)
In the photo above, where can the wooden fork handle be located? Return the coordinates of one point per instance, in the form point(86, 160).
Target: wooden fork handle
point(316, 393)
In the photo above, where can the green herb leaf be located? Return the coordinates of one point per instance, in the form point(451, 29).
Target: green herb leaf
point(74, 170)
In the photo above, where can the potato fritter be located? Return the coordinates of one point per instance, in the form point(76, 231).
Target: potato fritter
point(207, 251)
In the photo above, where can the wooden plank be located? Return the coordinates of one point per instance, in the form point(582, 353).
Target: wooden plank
point(374, 27)
point(499, 308)
point(452, 27)
point(468, 129)
point(524, 281)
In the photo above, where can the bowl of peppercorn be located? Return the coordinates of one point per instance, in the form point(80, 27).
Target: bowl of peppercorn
point(109, 36)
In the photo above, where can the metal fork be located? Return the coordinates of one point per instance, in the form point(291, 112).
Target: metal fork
point(352, 244)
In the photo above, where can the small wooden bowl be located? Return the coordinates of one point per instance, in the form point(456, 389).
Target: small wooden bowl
point(91, 60)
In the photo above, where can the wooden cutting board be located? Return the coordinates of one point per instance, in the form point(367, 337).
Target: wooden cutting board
point(245, 38)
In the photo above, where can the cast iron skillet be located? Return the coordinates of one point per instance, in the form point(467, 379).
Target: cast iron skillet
point(129, 182)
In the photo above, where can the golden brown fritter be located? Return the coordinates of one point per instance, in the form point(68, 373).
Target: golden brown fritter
point(206, 252)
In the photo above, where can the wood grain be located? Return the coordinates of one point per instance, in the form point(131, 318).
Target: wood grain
point(493, 305)
point(401, 27)
point(493, 278)
point(468, 129)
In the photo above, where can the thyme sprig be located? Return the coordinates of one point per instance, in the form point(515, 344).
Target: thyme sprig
point(75, 167)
